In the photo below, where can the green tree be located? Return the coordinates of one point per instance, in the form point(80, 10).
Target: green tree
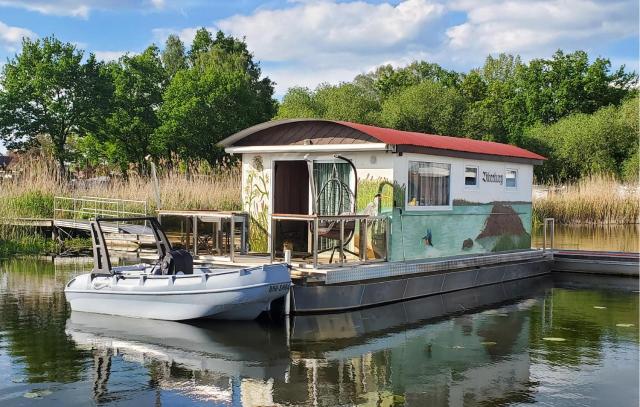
point(139, 81)
point(387, 80)
point(567, 83)
point(346, 101)
point(220, 95)
point(48, 90)
point(202, 43)
point(299, 102)
point(492, 112)
point(426, 107)
point(173, 56)
point(582, 144)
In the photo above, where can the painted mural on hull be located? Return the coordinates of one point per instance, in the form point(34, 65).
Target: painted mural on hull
point(468, 228)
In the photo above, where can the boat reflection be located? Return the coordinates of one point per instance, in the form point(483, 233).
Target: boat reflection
point(462, 348)
point(440, 350)
point(206, 360)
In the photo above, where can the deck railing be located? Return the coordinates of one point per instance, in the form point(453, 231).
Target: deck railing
point(362, 223)
point(82, 209)
point(549, 228)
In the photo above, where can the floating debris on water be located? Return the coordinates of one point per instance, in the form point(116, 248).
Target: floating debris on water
point(488, 343)
point(625, 325)
point(36, 394)
point(553, 339)
point(457, 347)
point(599, 307)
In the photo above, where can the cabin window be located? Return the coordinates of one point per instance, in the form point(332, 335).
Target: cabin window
point(471, 176)
point(511, 178)
point(429, 184)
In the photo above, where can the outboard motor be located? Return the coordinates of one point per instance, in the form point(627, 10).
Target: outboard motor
point(177, 261)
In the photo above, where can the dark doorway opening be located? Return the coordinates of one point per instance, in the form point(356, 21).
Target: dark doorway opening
point(291, 196)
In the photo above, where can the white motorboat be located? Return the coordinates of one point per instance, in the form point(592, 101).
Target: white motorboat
point(172, 289)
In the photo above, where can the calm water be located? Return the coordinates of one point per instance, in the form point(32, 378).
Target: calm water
point(619, 238)
point(493, 351)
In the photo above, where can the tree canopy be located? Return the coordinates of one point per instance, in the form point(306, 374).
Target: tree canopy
point(48, 90)
point(504, 100)
point(222, 93)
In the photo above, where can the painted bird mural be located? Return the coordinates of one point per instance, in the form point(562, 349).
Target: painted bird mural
point(428, 239)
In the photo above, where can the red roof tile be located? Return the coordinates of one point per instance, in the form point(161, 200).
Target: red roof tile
point(399, 137)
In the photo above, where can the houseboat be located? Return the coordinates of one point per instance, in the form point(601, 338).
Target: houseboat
point(373, 215)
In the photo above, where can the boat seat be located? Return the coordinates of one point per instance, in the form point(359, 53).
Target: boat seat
point(177, 261)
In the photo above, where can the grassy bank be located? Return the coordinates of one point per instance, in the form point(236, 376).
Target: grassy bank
point(596, 200)
point(31, 241)
point(25, 244)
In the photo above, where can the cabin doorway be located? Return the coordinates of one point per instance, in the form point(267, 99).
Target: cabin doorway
point(291, 196)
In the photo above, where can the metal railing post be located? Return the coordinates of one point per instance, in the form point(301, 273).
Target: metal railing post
point(315, 242)
point(387, 234)
point(553, 233)
point(363, 240)
point(551, 229)
point(341, 242)
point(232, 252)
point(272, 240)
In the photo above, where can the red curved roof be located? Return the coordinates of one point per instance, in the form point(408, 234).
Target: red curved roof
point(399, 137)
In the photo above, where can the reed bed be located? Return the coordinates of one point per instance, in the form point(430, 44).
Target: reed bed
point(31, 193)
point(595, 200)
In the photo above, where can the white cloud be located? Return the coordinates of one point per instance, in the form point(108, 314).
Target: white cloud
point(82, 8)
point(537, 28)
point(325, 41)
point(307, 42)
point(186, 35)
point(110, 55)
point(317, 30)
point(11, 37)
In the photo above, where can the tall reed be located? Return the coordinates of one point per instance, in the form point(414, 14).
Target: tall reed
point(598, 199)
point(30, 194)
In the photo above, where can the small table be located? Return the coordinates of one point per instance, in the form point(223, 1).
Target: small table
point(216, 218)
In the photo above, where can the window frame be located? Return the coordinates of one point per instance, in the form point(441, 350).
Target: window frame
point(507, 187)
point(408, 207)
point(464, 177)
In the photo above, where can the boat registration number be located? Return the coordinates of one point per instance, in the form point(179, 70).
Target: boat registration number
point(278, 287)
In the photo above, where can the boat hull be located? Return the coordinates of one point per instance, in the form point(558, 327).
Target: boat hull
point(238, 294)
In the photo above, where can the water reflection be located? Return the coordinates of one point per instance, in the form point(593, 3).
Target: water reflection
point(484, 346)
point(213, 355)
point(617, 238)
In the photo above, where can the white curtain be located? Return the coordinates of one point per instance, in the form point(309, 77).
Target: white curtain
point(428, 184)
